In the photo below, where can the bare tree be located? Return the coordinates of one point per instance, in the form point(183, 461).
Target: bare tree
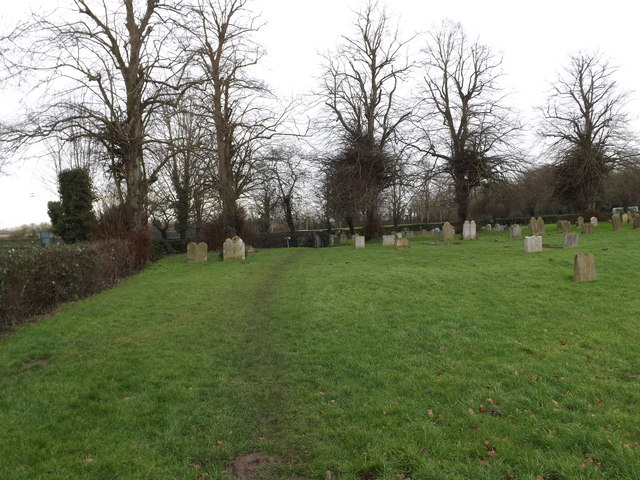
point(103, 69)
point(242, 119)
point(360, 90)
point(466, 126)
point(585, 121)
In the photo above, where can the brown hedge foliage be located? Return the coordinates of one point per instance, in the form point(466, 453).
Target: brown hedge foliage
point(33, 280)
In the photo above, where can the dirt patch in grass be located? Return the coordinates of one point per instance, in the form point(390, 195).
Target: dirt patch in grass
point(248, 466)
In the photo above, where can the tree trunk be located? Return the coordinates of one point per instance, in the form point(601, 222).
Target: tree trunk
point(462, 193)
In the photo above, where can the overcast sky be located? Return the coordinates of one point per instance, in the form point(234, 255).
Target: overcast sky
point(534, 39)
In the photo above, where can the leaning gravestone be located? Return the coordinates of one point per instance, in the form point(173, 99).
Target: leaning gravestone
point(584, 267)
point(196, 252)
point(593, 221)
point(388, 240)
point(580, 222)
point(533, 244)
point(448, 232)
point(402, 243)
point(233, 249)
point(587, 228)
point(570, 240)
point(515, 230)
point(616, 221)
point(358, 241)
point(636, 222)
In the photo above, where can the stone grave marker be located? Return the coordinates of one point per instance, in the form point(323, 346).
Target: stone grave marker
point(466, 230)
point(533, 244)
point(593, 221)
point(636, 222)
point(625, 218)
point(358, 241)
point(424, 233)
point(515, 231)
point(570, 240)
point(197, 252)
point(448, 232)
point(332, 240)
point(402, 243)
point(488, 227)
point(233, 249)
point(472, 230)
point(587, 228)
point(563, 226)
point(616, 221)
point(540, 223)
point(410, 234)
point(533, 226)
point(388, 240)
point(584, 267)
point(580, 222)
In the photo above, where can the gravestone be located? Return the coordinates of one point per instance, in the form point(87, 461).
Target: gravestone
point(616, 221)
point(636, 222)
point(448, 232)
point(424, 233)
point(317, 241)
point(436, 231)
point(402, 243)
point(498, 228)
point(358, 241)
point(233, 249)
point(196, 252)
point(472, 230)
point(488, 227)
point(410, 234)
point(593, 221)
point(587, 228)
point(563, 226)
point(625, 218)
point(584, 267)
point(570, 240)
point(398, 234)
point(533, 244)
point(580, 222)
point(388, 240)
point(533, 226)
point(540, 223)
point(515, 230)
point(466, 230)
point(332, 240)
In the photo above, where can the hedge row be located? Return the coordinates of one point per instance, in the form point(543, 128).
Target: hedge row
point(36, 279)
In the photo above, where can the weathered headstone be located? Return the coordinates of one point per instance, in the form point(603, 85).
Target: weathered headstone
point(448, 232)
point(580, 222)
point(472, 230)
point(358, 241)
point(498, 228)
point(570, 240)
point(196, 252)
point(488, 227)
point(533, 226)
point(540, 223)
point(584, 267)
point(636, 222)
point(388, 240)
point(515, 230)
point(587, 228)
point(533, 244)
point(410, 234)
point(399, 234)
point(593, 221)
point(616, 221)
point(563, 226)
point(466, 230)
point(402, 243)
point(233, 249)
point(625, 218)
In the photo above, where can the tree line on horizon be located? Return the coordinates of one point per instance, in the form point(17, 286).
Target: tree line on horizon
point(160, 105)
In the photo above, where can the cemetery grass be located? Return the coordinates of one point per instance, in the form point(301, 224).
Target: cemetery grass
point(465, 361)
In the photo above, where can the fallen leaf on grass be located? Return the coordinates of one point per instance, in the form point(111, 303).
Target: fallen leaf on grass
point(430, 413)
point(219, 442)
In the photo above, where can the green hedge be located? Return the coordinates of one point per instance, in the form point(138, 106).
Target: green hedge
point(34, 280)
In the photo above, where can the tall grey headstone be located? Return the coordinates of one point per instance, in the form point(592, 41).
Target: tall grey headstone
point(616, 221)
point(472, 230)
point(563, 226)
point(540, 223)
point(466, 230)
point(233, 249)
point(584, 267)
point(533, 244)
point(448, 232)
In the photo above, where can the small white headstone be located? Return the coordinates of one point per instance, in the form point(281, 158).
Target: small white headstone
point(358, 241)
point(388, 240)
point(533, 244)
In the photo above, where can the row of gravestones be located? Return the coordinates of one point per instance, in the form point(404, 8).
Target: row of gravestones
point(232, 249)
point(617, 220)
point(584, 264)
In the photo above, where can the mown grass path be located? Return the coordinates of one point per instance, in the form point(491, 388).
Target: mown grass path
point(461, 361)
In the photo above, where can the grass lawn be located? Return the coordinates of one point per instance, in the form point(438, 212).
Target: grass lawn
point(466, 361)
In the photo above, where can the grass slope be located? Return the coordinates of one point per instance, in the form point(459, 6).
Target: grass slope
point(438, 362)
